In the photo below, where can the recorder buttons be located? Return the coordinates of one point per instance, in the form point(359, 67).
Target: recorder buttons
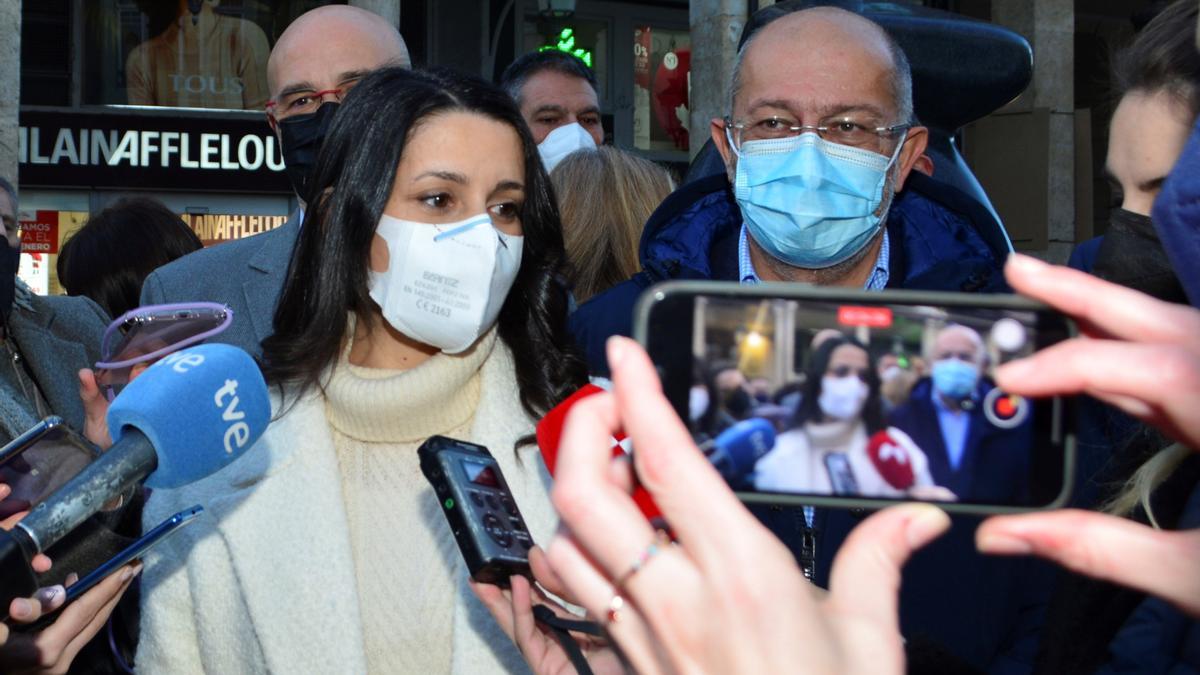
point(509, 506)
point(496, 530)
point(1006, 411)
point(477, 498)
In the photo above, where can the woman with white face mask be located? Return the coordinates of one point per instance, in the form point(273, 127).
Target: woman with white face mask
point(838, 444)
point(420, 301)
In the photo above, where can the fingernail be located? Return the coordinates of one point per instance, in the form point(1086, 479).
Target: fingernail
point(130, 572)
point(21, 608)
point(1026, 263)
point(617, 349)
point(924, 526)
point(47, 595)
point(4, 490)
point(1003, 544)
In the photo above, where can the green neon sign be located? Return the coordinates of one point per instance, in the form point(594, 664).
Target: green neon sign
point(566, 43)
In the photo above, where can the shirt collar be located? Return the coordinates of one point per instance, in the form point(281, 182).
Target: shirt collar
point(876, 282)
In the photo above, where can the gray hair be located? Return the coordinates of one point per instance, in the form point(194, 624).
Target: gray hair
point(10, 190)
point(972, 335)
point(901, 73)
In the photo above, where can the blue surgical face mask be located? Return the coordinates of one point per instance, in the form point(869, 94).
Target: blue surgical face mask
point(955, 379)
point(809, 202)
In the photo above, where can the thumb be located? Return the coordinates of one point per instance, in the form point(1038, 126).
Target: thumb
point(865, 579)
point(1106, 547)
point(95, 409)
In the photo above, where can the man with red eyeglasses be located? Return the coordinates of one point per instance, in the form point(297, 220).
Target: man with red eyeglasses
point(315, 62)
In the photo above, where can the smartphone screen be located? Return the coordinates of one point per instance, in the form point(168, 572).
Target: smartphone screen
point(873, 396)
point(39, 461)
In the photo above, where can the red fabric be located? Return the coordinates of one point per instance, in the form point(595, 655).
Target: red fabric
point(549, 434)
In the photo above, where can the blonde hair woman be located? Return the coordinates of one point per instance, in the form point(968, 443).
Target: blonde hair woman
point(605, 197)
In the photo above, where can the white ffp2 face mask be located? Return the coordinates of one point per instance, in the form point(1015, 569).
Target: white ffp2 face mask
point(842, 398)
point(445, 284)
point(563, 141)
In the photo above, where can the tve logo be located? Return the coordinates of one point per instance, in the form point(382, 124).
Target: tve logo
point(182, 362)
point(238, 432)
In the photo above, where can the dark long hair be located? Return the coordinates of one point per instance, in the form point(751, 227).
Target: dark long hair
point(810, 410)
point(350, 185)
point(1163, 57)
point(110, 257)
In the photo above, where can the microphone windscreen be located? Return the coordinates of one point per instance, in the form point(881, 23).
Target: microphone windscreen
point(737, 449)
point(891, 460)
point(201, 408)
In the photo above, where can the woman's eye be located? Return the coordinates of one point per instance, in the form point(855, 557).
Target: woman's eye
point(438, 201)
point(508, 211)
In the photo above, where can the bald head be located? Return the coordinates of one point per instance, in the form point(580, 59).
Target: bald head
point(330, 45)
point(958, 341)
point(851, 45)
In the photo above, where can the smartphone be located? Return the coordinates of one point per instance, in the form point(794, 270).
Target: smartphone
point(134, 551)
point(479, 507)
point(875, 397)
point(144, 334)
point(40, 460)
point(29, 438)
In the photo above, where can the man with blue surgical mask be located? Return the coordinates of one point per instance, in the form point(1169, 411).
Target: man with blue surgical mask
point(559, 98)
point(818, 146)
point(970, 452)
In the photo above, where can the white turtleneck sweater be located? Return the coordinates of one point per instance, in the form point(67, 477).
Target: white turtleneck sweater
point(403, 550)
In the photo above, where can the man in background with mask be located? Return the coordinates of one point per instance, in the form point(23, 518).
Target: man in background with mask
point(317, 60)
point(946, 417)
point(817, 151)
point(559, 99)
point(818, 147)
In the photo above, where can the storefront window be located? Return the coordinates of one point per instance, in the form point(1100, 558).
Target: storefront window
point(185, 53)
point(661, 88)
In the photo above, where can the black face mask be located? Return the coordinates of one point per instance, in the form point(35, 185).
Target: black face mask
point(10, 259)
point(1132, 255)
point(300, 139)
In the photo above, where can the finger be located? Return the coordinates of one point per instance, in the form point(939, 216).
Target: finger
point(591, 506)
point(93, 627)
point(1106, 547)
point(497, 603)
point(1147, 380)
point(5, 490)
point(594, 591)
point(620, 473)
point(28, 610)
point(693, 497)
point(11, 520)
point(81, 614)
point(1124, 313)
point(865, 578)
point(41, 563)
point(524, 626)
point(545, 575)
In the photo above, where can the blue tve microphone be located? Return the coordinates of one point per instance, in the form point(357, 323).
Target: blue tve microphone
point(735, 451)
point(187, 416)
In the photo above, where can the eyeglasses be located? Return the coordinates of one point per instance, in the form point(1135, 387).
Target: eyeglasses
point(306, 102)
point(969, 357)
point(144, 335)
point(850, 131)
point(846, 371)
